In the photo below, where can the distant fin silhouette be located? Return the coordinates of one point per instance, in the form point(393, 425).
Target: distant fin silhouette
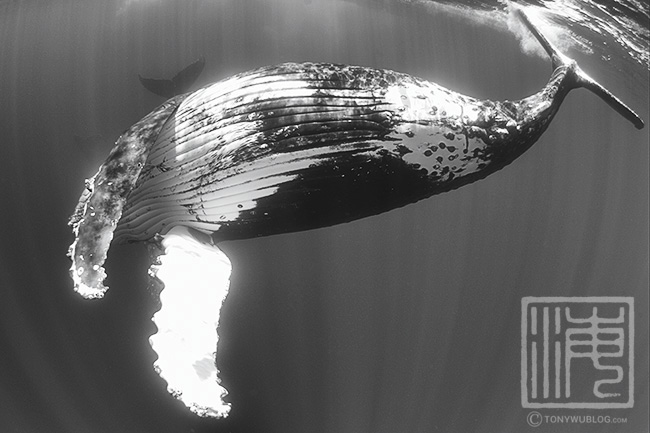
point(177, 85)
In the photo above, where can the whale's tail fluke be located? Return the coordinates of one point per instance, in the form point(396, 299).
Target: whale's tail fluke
point(177, 85)
point(581, 79)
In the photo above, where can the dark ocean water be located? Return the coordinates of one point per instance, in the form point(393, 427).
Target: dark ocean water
point(404, 322)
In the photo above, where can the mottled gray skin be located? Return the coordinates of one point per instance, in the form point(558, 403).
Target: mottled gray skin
point(285, 148)
point(298, 146)
point(100, 206)
point(373, 140)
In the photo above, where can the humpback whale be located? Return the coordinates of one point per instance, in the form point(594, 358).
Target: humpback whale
point(292, 147)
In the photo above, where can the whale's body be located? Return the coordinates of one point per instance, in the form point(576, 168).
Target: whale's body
point(299, 146)
point(284, 148)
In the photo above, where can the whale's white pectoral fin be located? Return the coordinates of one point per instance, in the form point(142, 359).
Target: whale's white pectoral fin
point(196, 277)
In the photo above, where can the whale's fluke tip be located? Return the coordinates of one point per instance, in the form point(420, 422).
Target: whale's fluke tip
point(557, 58)
point(585, 81)
point(581, 79)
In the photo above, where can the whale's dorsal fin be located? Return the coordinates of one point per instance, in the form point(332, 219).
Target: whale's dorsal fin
point(177, 85)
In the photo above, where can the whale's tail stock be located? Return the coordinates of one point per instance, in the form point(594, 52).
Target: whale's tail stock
point(580, 78)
